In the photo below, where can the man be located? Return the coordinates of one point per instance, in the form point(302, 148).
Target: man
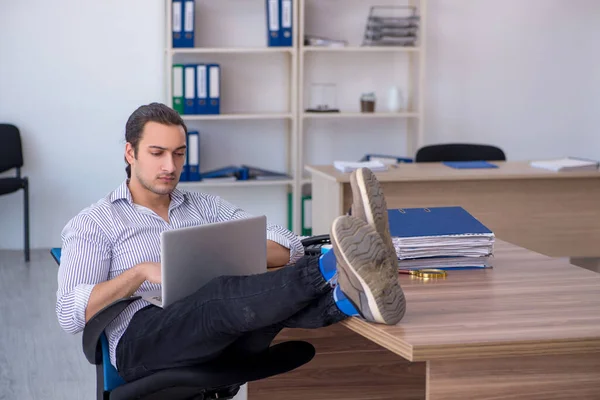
point(111, 250)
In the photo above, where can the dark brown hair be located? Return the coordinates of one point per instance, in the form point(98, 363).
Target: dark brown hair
point(153, 112)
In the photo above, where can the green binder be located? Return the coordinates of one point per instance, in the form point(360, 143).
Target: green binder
point(177, 87)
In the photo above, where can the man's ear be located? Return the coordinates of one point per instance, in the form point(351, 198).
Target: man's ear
point(129, 153)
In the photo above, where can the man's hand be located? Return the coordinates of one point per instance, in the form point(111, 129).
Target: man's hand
point(152, 272)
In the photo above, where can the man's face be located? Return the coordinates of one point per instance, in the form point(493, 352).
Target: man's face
point(160, 157)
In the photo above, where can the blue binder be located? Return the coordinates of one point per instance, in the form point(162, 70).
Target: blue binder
point(229, 171)
point(434, 221)
point(193, 156)
point(469, 164)
point(177, 23)
point(189, 89)
point(286, 13)
point(214, 88)
point(189, 20)
point(201, 89)
point(273, 25)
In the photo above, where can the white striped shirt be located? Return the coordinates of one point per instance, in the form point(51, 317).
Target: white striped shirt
point(114, 234)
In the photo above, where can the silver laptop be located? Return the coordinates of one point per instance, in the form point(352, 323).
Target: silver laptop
point(191, 257)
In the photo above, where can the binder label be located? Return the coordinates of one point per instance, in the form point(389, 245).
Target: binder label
point(214, 82)
point(201, 84)
point(189, 83)
point(193, 150)
point(286, 14)
point(189, 17)
point(177, 81)
point(274, 15)
point(176, 17)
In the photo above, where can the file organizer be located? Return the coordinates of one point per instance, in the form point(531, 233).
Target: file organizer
point(189, 89)
point(183, 21)
point(286, 36)
point(201, 89)
point(280, 23)
point(273, 37)
point(178, 88)
point(196, 89)
point(214, 88)
point(193, 156)
point(177, 22)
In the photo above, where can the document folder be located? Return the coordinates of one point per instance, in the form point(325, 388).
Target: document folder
point(189, 92)
point(177, 96)
point(194, 155)
point(273, 29)
point(438, 232)
point(177, 22)
point(188, 23)
point(201, 89)
point(286, 37)
point(434, 221)
point(214, 88)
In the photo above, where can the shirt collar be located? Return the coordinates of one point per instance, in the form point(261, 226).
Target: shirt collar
point(122, 193)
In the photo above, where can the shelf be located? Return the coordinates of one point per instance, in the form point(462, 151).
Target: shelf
point(217, 183)
point(232, 50)
point(360, 49)
point(360, 115)
point(217, 117)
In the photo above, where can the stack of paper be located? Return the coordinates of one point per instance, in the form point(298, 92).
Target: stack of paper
point(446, 263)
point(566, 164)
point(349, 166)
point(447, 237)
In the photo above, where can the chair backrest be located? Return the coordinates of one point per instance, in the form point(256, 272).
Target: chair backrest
point(11, 152)
point(459, 152)
point(112, 379)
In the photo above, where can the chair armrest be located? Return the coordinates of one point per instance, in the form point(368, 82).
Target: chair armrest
point(96, 325)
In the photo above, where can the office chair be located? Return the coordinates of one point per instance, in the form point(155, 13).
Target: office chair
point(459, 152)
point(11, 156)
point(218, 379)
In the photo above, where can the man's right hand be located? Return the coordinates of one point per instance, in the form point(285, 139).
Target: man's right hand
point(152, 272)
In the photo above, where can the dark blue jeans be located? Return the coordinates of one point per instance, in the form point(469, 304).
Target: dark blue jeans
point(240, 314)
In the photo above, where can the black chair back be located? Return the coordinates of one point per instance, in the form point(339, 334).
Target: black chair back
point(11, 152)
point(459, 152)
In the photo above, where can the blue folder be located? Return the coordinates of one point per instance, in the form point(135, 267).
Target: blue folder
point(286, 18)
point(273, 25)
point(434, 221)
point(469, 164)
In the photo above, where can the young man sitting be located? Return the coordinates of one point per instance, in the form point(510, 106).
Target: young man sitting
point(111, 250)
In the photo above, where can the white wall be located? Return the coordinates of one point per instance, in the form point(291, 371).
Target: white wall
point(523, 75)
point(520, 74)
point(71, 72)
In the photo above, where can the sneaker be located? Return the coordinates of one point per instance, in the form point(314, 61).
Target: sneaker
point(366, 275)
point(368, 204)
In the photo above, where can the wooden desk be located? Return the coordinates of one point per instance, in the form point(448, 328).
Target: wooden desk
point(556, 214)
point(527, 329)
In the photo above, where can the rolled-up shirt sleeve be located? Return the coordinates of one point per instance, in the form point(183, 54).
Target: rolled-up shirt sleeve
point(278, 234)
point(85, 261)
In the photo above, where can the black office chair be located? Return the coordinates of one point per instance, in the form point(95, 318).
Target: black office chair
point(218, 379)
point(459, 152)
point(11, 156)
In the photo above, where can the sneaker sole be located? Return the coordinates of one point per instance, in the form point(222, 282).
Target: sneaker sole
point(371, 200)
point(365, 274)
